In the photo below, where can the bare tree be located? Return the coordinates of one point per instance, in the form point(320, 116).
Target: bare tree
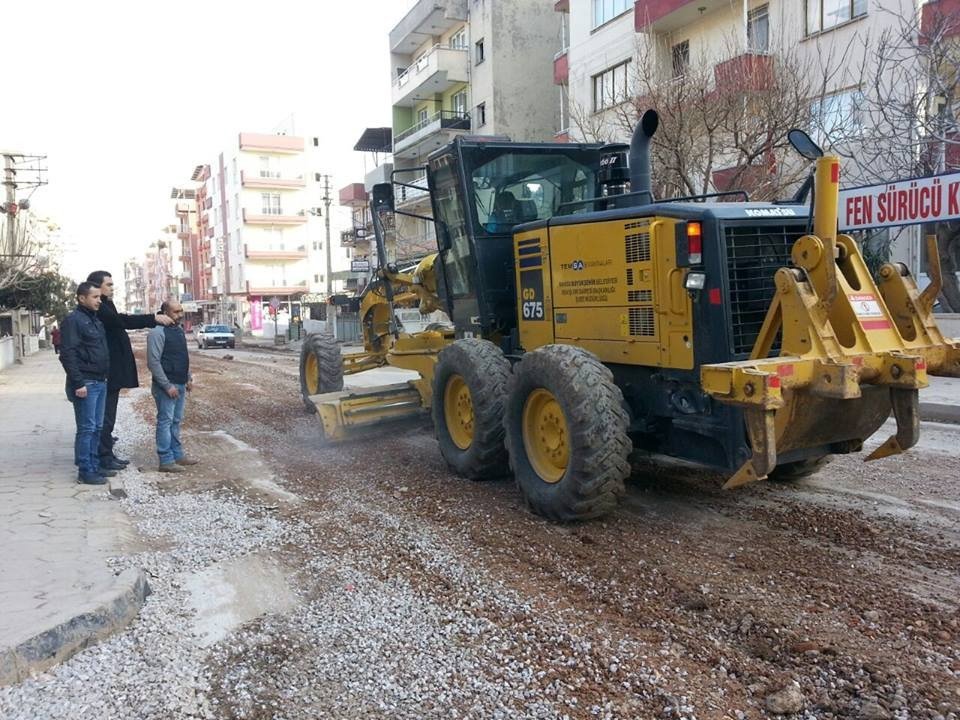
point(21, 258)
point(906, 117)
point(723, 126)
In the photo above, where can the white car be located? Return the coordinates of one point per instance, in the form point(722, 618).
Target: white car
point(209, 336)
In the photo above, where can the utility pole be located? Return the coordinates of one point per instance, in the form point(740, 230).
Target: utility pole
point(10, 184)
point(326, 222)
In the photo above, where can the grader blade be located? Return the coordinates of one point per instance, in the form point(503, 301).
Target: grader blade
point(346, 412)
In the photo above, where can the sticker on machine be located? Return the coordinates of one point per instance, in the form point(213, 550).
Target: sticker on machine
point(865, 306)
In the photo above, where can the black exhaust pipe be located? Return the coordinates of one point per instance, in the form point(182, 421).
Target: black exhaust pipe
point(640, 157)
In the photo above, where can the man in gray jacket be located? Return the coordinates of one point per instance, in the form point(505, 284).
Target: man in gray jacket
point(169, 363)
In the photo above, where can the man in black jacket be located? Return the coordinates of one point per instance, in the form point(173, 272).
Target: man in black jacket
point(86, 360)
point(123, 366)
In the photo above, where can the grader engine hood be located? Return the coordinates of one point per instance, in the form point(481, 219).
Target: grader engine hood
point(851, 353)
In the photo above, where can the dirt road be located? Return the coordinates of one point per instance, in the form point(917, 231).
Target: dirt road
point(419, 594)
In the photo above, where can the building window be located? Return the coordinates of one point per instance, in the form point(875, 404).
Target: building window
point(268, 168)
point(681, 58)
point(316, 278)
point(315, 245)
point(459, 102)
point(422, 116)
point(837, 117)
point(458, 40)
point(271, 203)
point(236, 206)
point(758, 29)
point(606, 10)
point(610, 87)
point(481, 114)
point(479, 55)
point(826, 14)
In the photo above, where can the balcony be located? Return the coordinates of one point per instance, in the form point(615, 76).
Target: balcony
point(939, 17)
point(426, 136)
point(284, 144)
point(279, 290)
point(185, 208)
point(436, 72)
point(186, 236)
point(353, 195)
point(428, 18)
point(406, 196)
point(259, 253)
point(749, 72)
point(273, 218)
point(210, 232)
point(664, 16)
point(561, 68)
point(352, 238)
point(271, 182)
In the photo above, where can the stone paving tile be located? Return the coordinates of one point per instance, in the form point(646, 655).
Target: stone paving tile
point(55, 534)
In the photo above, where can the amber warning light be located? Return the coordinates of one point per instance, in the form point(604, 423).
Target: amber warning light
point(694, 243)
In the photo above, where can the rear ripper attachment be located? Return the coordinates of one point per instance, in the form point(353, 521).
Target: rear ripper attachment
point(850, 354)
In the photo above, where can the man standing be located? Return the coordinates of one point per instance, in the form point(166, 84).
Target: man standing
point(86, 360)
point(169, 364)
point(123, 367)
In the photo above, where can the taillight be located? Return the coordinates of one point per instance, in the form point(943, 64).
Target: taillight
point(694, 243)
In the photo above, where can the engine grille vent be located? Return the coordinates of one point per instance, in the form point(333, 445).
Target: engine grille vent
point(754, 254)
point(636, 296)
point(641, 322)
point(629, 276)
point(638, 247)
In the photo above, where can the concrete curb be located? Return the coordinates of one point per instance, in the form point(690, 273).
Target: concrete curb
point(101, 617)
point(940, 412)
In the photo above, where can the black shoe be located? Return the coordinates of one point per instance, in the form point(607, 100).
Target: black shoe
point(91, 479)
point(106, 473)
point(111, 464)
point(120, 461)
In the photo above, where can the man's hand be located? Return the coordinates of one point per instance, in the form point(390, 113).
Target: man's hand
point(172, 392)
point(190, 386)
point(163, 319)
point(81, 392)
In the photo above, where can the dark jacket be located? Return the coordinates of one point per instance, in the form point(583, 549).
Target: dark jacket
point(123, 368)
point(167, 356)
point(83, 348)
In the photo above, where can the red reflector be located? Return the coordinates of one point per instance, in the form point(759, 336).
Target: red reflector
point(773, 381)
point(875, 324)
point(921, 364)
point(784, 370)
point(835, 172)
point(858, 361)
point(714, 296)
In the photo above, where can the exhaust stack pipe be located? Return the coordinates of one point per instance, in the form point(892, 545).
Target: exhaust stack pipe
point(640, 155)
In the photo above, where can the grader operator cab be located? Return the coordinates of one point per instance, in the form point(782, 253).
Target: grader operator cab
point(589, 319)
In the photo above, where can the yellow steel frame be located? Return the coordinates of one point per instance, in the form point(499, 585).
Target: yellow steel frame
point(838, 332)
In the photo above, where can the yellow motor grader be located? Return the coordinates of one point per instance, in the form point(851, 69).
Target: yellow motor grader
point(588, 318)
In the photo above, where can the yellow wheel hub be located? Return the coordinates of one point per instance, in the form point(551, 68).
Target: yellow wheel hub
point(545, 435)
point(311, 374)
point(458, 411)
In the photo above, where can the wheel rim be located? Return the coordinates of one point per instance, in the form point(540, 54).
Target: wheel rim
point(545, 435)
point(458, 411)
point(311, 374)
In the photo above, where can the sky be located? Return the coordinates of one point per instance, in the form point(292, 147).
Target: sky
point(126, 97)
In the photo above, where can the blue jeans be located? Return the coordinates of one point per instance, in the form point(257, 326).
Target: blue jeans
point(88, 412)
point(169, 417)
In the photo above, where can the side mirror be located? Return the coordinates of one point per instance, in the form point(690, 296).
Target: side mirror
point(383, 197)
point(802, 143)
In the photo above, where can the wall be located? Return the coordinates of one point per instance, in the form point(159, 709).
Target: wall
point(7, 354)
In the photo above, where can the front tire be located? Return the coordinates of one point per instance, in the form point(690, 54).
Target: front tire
point(469, 386)
point(321, 368)
point(566, 433)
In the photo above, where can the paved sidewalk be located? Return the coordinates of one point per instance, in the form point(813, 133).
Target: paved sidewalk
point(941, 401)
point(56, 592)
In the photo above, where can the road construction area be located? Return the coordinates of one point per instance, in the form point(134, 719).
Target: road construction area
point(292, 580)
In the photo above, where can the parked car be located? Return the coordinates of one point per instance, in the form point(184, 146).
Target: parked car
point(215, 336)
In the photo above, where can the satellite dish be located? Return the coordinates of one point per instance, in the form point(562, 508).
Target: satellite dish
point(802, 143)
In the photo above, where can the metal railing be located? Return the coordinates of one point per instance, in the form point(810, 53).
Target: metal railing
point(447, 119)
point(422, 62)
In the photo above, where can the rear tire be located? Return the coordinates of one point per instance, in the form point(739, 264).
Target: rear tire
point(321, 368)
point(792, 471)
point(566, 433)
point(469, 387)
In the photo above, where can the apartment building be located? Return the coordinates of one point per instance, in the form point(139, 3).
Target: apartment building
point(134, 287)
point(481, 67)
point(261, 231)
point(611, 46)
point(187, 232)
